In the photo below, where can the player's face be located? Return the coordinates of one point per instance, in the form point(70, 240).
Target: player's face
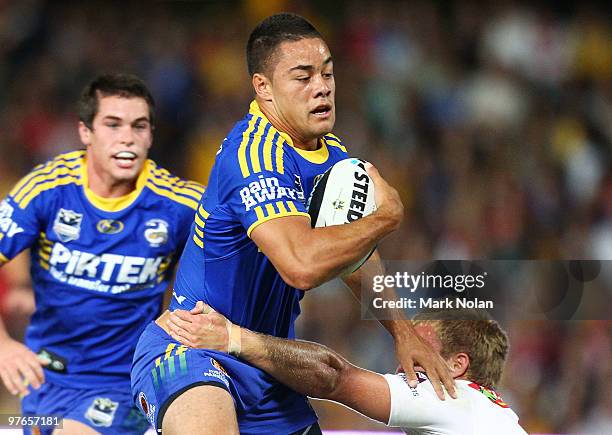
point(303, 88)
point(119, 140)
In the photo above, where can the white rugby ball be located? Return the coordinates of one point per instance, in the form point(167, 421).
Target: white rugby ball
point(343, 194)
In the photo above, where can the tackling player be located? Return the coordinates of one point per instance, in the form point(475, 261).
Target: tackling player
point(473, 345)
point(252, 250)
point(104, 225)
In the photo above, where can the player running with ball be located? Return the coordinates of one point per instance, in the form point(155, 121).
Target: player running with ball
point(252, 251)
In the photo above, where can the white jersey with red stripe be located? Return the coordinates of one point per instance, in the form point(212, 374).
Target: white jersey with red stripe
point(477, 410)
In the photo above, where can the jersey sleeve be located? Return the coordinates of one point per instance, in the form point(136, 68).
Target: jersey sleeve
point(260, 187)
point(418, 408)
point(19, 228)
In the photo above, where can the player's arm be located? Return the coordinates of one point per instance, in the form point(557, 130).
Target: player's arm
point(306, 257)
point(19, 366)
point(410, 348)
point(308, 368)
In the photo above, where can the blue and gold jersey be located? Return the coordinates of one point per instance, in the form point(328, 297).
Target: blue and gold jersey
point(99, 266)
point(258, 175)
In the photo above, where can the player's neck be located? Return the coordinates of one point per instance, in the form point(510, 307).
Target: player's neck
point(103, 185)
point(267, 108)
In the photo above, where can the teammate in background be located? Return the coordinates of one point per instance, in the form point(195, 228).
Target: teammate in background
point(252, 251)
point(105, 226)
point(473, 345)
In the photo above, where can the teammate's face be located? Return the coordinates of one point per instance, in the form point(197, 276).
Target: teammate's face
point(303, 89)
point(119, 140)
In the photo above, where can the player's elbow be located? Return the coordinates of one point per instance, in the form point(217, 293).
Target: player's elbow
point(301, 276)
point(332, 378)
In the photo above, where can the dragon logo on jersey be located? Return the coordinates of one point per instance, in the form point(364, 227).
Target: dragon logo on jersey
point(67, 225)
point(102, 412)
point(491, 394)
point(109, 226)
point(156, 232)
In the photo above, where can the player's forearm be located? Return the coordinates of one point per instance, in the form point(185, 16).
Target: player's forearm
point(308, 368)
point(327, 251)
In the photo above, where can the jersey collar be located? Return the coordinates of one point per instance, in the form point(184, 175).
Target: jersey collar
point(320, 155)
point(114, 204)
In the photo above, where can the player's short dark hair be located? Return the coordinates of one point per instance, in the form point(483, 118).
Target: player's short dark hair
point(474, 332)
point(270, 33)
point(107, 85)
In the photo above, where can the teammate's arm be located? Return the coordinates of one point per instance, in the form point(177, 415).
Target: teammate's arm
point(19, 366)
point(306, 257)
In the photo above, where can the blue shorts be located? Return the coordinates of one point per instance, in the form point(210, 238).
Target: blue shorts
point(163, 369)
point(106, 411)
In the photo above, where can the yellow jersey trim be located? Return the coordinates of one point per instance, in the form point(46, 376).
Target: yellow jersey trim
point(274, 216)
point(318, 156)
point(119, 203)
point(3, 259)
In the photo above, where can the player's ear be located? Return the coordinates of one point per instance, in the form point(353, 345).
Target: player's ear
point(459, 364)
point(262, 86)
point(84, 133)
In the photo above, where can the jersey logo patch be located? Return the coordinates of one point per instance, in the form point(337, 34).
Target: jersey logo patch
point(67, 225)
point(147, 408)
point(102, 412)
point(491, 394)
point(156, 232)
point(109, 226)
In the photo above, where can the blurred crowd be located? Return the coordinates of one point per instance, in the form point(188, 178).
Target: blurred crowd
point(493, 119)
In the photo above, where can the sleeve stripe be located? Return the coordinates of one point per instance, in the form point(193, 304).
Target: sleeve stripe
point(246, 138)
point(185, 189)
point(179, 192)
point(267, 149)
point(56, 172)
point(3, 259)
point(183, 192)
point(279, 155)
point(198, 242)
point(199, 221)
point(271, 213)
point(158, 172)
point(292, 207)
point(275, 216)
point(173, 196)
point(199, 232)
point(51, 184)
point(254, 149)
point(281, 207)
point(203, 212)
point(47, 169)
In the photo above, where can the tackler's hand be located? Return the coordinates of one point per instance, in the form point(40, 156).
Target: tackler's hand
point(204, 328)
point(412, 351)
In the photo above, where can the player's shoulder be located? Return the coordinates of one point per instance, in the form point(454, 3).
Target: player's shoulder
point(176, 190)
point(62, 170)
point(253, 147)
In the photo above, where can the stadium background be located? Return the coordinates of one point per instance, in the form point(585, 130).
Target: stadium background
point(494, 120)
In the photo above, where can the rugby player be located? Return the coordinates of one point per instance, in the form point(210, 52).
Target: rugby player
point(252, 251)
point(473, 345)
point(105, 226)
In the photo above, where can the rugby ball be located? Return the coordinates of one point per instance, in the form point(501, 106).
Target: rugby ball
point(341, 195)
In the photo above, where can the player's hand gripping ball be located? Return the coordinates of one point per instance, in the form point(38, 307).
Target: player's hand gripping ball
point(343, 194)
